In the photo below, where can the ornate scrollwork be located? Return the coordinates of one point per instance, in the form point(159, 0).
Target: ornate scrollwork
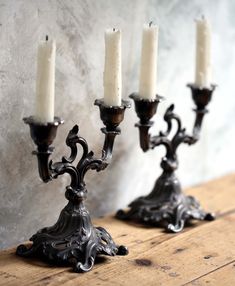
point(73, 239)
point(86, 162)
point(166, 204)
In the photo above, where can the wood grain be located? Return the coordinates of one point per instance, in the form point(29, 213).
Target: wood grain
point(203, 254)
point(224, 275)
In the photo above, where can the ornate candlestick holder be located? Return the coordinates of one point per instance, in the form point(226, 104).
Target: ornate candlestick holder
point(166, 205)
point(73, 239)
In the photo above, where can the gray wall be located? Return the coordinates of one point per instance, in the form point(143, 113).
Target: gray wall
point(26, 204)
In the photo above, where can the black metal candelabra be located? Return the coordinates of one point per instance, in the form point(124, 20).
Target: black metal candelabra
point(166, 204)
point(73, 239)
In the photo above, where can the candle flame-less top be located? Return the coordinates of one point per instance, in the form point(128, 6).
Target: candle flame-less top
point(45, 85)
point(112, 68)
point(148, 66)
point(203, 53)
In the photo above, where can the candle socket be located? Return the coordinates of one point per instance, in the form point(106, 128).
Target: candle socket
point(167, 205)
point(112, 116)
point(201, 96)
point(73, 240)
point(43, 134)
point(145, 108)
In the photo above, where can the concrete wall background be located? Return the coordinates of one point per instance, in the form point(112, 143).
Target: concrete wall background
point(26, 204)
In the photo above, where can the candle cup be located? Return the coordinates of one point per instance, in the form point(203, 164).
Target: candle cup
point(145, 108)
point(201, 95)
point(43, 135)
point(73, 240)
point(112, 116)
point(167, 205)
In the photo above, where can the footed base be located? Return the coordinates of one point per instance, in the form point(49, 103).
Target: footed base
point(165, 206)
point(73, 240)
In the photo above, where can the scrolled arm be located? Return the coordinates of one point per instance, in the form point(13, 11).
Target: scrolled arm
point(201, 97)
point(44, 134)
point(111, 116)
point(145, 110)
point(107, 150)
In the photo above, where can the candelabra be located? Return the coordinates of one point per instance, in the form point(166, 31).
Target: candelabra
point(166, 205)
point(73, 239)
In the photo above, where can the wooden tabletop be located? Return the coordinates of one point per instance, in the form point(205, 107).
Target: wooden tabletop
point(203, 254)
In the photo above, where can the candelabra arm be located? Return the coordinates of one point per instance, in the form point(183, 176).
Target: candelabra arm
point(43, 164)
point(201, 98)
point(198, 123)
point(90, 162)
point(107, 150)
point(111, 116)
point(144, 136)
point(192, 139)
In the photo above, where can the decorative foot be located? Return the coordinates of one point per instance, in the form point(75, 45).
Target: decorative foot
point(73, 240)
point(171, 214)
point(165, 206)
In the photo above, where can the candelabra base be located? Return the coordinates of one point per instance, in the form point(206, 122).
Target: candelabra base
point(165, 206)
point(73, 240)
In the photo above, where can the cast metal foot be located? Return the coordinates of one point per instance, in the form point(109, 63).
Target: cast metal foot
point(173, 214)
point(73, 240)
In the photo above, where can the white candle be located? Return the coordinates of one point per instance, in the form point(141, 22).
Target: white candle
point(148, 67)
point(203, 53)
point(112, 69)
point(45, 85)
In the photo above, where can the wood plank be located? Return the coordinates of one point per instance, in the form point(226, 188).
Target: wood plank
point(173, 262)
point(16, 270)
point(176, 261)
point(215, 195)
point(162, 259)
point(225, 275)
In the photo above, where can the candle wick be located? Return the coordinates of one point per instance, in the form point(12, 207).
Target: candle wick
point(150, 23)
point(203, 17)
point(46, 37)
point(114, 29)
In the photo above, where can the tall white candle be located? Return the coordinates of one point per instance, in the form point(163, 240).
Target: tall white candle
point(112, 69)
point(203, 53)
point(45, 85)
point(148, 67)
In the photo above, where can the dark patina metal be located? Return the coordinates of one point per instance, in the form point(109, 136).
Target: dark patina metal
point(166, 204)
point(73, 239)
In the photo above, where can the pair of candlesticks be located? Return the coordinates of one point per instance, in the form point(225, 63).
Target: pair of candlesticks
point(73, 239)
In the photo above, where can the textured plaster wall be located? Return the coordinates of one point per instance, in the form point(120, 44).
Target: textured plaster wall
point(26, 204)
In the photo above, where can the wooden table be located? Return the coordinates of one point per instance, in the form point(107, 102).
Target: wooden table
point(203, 254)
